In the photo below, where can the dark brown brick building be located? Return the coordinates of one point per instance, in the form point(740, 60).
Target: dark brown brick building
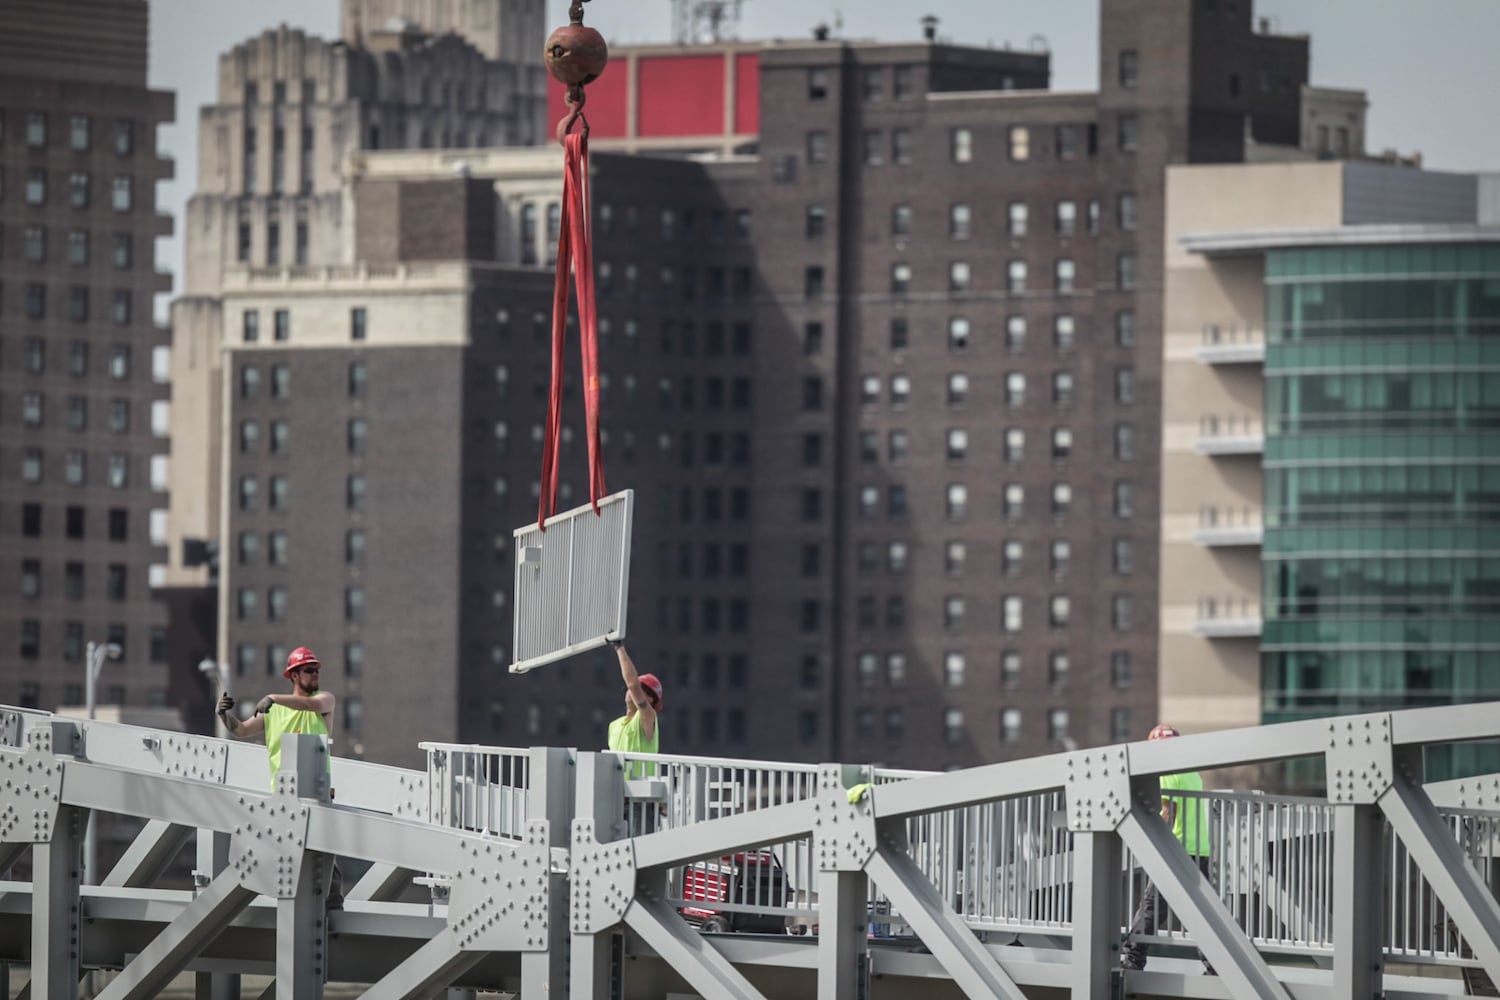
point(82, 436)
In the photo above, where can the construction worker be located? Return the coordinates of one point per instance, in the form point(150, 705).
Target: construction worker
point(305, 710)
point(636, 731)
point(1187, 815)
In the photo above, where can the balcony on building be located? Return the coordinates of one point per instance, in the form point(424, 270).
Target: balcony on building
point(1228, 526)
point(1230, 434)
point(1232, 344)
point(1234, 616)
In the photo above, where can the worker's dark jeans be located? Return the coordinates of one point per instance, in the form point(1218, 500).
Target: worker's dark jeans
point(1151, 914)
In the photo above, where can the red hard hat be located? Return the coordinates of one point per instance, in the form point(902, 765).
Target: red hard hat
point(301, 656)
point(651, 684)
point(1163, 732)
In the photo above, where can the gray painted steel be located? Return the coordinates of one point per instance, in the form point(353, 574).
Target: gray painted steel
point(572, 582)
point(549, 872)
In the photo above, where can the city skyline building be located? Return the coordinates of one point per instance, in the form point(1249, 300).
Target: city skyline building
point(83, 429)
point(1328, 480)
point(884, 372)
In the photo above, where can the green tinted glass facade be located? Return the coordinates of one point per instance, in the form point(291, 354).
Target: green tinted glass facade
point(1381, 560)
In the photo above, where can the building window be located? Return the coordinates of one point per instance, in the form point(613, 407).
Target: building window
point(1015, 444)
point(1065, 274)
point(34, 244)
point(358, 432)
point(1125, 442)
point(953, 726)
point(80, 128)
point(1125, 212)
point(1124, 385)
point(249, 436)
point(278, 497)
point(961, 145)
point(120, 307)
point(1010, 726)
point(1120, 669)
point(1015, 334)
point(957, 501)
point(874, 147)
point(36, 129)
point(122, 194)
point(281, 381)
point(1060, 557)
point(1130, 133)
point(812, 282)
point(953, 668)
point(1058, 667)
point(1062, 499)
point(1019, 141)
point(1066, 142)
point(1016, 214)
point(1015, 277)
point(1130, 69)
point(280, 437)
point(250, 326)
point(1067, 218)
point(1011, 613)
point(1057, 725)
point(1064, 331)
point(36, 300)
point(1124, 556)
point(958, 444)
point(355, 492)
point(281, 325)
point(1062, 444)
point(816, 223)
point(245, 604)
point(1015, 389)
point(958, 388)
point(959, 218)
point(1121, 612)
point(818, 84)
point(1015, 501)
point(354, 604)
point(1012, 557)
point(900, 278)
point(901, 146)
point(901, 82)
point(896, 446)
point(958, 276)
point(75, 468)
point(78, 247)
point(1125, 328)
point(1062, 387)
point(1125, 270)
point(817, 146)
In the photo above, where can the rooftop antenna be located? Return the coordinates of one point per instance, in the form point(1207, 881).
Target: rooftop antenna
point(697, 21)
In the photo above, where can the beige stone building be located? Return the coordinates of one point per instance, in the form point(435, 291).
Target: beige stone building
point(1220, 223)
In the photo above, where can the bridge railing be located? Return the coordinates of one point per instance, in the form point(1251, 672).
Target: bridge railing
point(478, 788)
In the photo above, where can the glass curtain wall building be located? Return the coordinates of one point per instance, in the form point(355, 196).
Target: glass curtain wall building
point(1381, 550)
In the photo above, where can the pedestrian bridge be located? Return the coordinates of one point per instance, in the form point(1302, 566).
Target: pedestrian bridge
point(555, 872)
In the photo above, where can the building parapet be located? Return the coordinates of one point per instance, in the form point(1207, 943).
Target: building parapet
point(1232, 344)
point(1232, 616)
point(1230, 434)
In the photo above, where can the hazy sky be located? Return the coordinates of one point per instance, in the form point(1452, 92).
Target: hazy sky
point(1429, 67)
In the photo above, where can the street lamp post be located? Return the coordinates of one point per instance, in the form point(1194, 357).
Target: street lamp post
point(95, 655)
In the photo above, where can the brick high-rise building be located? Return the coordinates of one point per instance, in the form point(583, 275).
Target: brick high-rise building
point(883, 362)
point(82, 435)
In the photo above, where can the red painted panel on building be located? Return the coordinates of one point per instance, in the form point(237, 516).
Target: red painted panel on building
point(747, 93)
point(681, 95)
point(607, 107)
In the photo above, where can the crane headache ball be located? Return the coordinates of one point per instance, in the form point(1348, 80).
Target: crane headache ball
point(576, 54)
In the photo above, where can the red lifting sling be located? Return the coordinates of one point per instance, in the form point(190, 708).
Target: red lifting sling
point(575, 55)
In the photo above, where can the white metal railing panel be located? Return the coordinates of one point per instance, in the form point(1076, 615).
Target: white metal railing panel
point(762, 889)
point(478, 788)
point(572, 582)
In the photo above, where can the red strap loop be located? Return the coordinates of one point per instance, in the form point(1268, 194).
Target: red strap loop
point(574, 254)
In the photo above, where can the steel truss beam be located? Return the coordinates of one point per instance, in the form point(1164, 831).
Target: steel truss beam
point(691, 955)
point(56, 875)
point(1178, 879)
point(1096, 912)
point(843, 941)
point(383, 882)
point(197, 925)
point(150, 854)
point(952, 943)
point(429, 969)
point(1431, 844)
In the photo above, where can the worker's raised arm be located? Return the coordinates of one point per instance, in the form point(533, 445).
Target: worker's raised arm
point(253, 726)
point(322, 702)
point(639, 697)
